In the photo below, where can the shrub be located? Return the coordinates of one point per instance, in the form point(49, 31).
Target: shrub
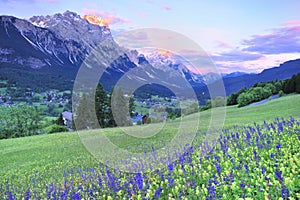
point(148, 120)
point(55, 129)
point(280, 93)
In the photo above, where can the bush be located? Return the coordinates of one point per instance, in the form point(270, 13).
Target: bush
point(139, 122)
point(148, 120)
point(55, 129)
point(280, 93)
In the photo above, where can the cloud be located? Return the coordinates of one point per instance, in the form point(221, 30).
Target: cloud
point(108, 17)
point(282, 40)
point(256, 66)
point(291, 23)
point(236, 56)
point(222, 44)
point(166, 7)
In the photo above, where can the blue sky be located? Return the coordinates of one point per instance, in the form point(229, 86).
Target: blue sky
point(238, 35)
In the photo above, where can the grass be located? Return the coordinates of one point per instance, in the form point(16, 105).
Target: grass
point(47, 156)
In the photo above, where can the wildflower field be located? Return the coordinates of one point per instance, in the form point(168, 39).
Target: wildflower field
point(248, 160)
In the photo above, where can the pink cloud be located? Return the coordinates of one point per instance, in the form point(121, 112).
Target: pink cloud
point(223, 44)
point(282, 40)
point(291, 23)
point(256, 66)
point(108, 17)
point(166, 7)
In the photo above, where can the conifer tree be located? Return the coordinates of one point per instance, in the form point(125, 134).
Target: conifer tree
point(101, 105)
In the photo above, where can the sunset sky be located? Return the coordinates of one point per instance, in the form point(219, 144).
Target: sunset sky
point(238, 35)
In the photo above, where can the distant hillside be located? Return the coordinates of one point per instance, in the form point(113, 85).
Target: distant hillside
point(284, 71)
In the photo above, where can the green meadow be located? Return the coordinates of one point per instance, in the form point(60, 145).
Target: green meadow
point(45, 158)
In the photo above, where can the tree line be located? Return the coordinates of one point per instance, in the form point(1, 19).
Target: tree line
point(257, 92)
point(112, 109)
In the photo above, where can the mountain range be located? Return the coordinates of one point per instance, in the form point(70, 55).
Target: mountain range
point(46, 52)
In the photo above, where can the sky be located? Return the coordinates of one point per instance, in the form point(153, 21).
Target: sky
point(246, 36)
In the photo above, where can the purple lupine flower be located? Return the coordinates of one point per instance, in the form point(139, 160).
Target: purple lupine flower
point(242, 185)
point(263, 170)
point(28, 194)
point(247, 168)
point(255, 154)
point(280, 127)
point(217, 158)
point(211, 192)
point(157, 193)
point(273, 127)
point(218, 168)
point(99, 181)
point(170, 167)
point(248, 135)
point(278, 175)
point(171, 181)
point(278, 145)
point(285, 193)
point(139, 181)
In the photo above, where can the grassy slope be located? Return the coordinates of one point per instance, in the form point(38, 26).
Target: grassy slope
point(49, 155)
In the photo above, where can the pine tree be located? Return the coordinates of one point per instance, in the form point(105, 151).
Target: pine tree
point(297, 83)
point(111, 121)
point(82, 119)
point(60, 120)
point(119, 108)
point(131, 105)
point(290, 85)
point(101, 104)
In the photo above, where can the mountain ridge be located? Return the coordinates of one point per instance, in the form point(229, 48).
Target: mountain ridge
point(45, 52)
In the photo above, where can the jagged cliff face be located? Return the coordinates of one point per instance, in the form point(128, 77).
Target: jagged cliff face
point(78, 35)
point(64, 39)
point(53, 48)
point(57, 45)
point(28, 45)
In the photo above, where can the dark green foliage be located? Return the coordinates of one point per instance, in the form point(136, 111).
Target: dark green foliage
point(280, 93)
point(232, 99)
point(245, 99)
point(131, 105)
point(54, 128)
point(120, 108)
point(290, 85)
point(149, 120)
point(297, 83)
point(83, 119)
point(111, 122)
point(60, 120)
point(191, 108)
point(19, 121)
point(218, 102)
point(271, 87)
point(173, 113)
point(101, 105)
point(260, 91)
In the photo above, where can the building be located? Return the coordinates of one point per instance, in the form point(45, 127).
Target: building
point(67, 117)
